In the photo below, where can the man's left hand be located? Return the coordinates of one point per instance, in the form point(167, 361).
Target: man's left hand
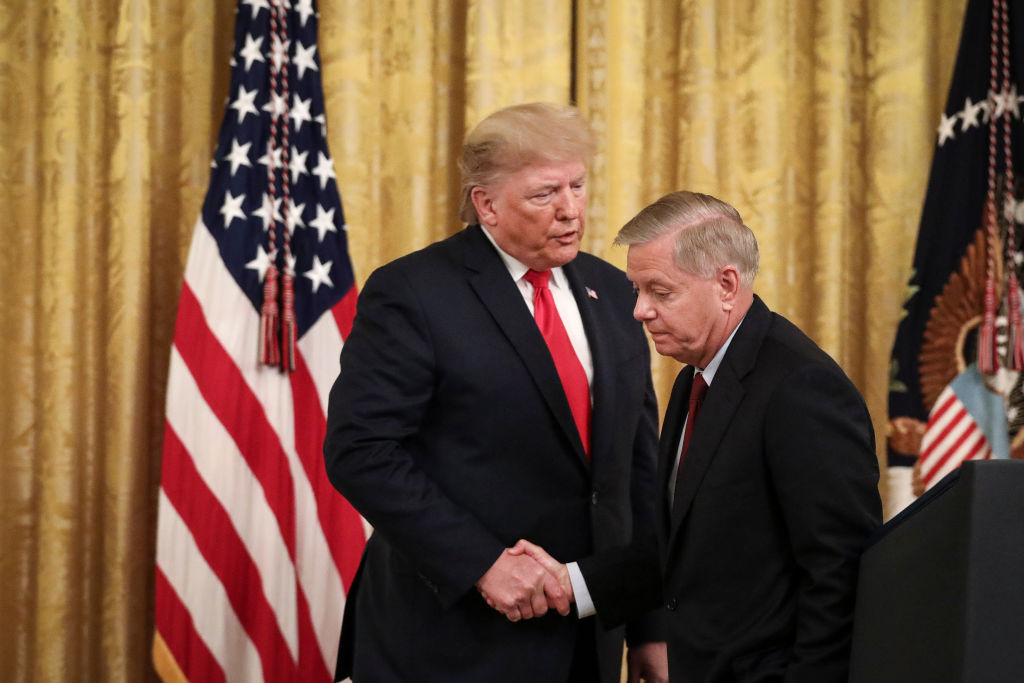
point(647, 662)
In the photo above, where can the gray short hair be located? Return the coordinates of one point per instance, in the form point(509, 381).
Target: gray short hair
point(517, 136)
point(711, 234)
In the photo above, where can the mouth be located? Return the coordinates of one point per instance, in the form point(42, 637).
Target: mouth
point(567, 238)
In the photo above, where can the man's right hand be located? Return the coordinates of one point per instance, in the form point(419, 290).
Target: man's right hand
point(520, 588)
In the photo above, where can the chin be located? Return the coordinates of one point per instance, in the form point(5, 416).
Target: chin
point(675, 353)
point(563, 256)
point(668, 352)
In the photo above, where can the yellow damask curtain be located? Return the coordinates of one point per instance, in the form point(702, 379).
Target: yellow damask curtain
point(404, 80)
point(814, 117)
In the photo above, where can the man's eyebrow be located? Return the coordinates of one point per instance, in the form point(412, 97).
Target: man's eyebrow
point(654, 282)
point(542, 186)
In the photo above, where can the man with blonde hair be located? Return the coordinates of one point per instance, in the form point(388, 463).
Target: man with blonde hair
point(767, 468)
point(494, 388)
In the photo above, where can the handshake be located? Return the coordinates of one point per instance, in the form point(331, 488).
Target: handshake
point(526, 582)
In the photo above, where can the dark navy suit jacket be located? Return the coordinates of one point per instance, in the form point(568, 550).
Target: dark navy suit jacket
point(449, 431)
point(776, 497)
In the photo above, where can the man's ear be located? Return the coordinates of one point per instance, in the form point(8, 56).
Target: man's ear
point(483, 202)
point(728, 280)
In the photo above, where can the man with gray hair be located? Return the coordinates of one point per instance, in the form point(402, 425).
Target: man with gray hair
point(495, 387)
point(767, 469)
point(767, 460)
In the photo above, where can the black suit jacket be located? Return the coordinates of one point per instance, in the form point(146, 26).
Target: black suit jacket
point(449, 431)
point(774, 502)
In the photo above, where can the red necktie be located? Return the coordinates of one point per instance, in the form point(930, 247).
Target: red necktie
point(570, 370)
point(697, 391)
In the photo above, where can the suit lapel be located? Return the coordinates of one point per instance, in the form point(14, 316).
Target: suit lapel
point(500, 296)
point(719, 410)
point(668, 445)
point(720, 403)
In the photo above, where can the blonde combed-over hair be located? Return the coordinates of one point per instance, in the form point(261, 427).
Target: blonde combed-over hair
point(515, 137)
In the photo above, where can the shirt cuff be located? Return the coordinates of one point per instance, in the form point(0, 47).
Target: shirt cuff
point(584, 603)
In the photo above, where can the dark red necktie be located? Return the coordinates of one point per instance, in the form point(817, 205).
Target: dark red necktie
point(570, 370)
point(697, 391)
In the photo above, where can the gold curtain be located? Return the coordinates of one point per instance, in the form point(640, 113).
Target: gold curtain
point(403, 81)
point(814, 117)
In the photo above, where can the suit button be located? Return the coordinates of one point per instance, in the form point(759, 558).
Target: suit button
point(593, 498)
point(672, 604)
point(429, 584)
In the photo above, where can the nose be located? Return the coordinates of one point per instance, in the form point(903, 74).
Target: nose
point(642, 311)
point(568, 205)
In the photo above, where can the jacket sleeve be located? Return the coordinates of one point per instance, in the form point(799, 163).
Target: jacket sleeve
point(820, 449)
point(379, 401)
point(625, 582)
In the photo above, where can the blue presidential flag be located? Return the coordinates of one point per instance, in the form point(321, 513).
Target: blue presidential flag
point(955, 375)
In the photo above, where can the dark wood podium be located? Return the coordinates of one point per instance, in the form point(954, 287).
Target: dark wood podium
point(941, 592)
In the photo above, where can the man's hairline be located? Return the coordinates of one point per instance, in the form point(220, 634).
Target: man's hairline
point(675, 228)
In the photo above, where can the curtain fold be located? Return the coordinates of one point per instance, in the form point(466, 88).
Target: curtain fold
point(815, 118)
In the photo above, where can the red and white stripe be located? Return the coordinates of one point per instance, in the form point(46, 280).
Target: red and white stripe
point(952, 436)
point(255, 548)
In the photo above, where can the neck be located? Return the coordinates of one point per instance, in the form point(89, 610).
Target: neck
point(733, 317)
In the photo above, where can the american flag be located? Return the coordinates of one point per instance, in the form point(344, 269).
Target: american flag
point(255, 548)
point(967, 422)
